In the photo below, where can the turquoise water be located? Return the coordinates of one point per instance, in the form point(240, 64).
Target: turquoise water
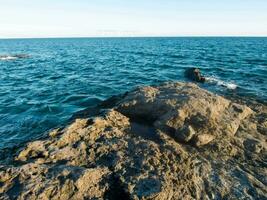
point(58, 77)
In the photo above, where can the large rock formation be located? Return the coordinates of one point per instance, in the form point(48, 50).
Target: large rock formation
point(173, 141)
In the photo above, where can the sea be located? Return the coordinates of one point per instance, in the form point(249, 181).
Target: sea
point(43, 82)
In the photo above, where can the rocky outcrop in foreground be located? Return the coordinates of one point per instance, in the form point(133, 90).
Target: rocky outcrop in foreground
point(173, 141)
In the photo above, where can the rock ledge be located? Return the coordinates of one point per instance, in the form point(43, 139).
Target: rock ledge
point(173, 141)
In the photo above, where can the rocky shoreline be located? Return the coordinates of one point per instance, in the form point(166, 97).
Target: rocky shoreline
point(172, 141)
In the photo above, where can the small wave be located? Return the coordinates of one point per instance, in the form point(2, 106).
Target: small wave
point(8, 58)
point(219, 82)
point(13, 57)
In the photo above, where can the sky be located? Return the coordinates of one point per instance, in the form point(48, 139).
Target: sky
point(117, 18)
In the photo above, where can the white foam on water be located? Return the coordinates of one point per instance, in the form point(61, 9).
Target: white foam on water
point(13, 57)
point(219, 82)
point(8, 58)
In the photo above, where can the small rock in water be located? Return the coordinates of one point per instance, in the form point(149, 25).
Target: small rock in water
point(194, 74)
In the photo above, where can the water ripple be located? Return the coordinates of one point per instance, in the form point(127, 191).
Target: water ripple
point(58, 77)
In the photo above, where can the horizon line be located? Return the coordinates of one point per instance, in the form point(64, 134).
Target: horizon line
point(96, 37)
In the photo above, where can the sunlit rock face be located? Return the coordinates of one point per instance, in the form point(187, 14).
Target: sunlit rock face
point(172, 141)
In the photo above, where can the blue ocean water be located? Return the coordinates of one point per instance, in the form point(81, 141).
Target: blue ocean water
point(58, 77)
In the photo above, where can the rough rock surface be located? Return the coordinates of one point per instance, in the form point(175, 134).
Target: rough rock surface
point(173, 141)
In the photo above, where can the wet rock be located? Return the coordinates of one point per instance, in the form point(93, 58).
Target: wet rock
point(172, 141)
point(194, 75)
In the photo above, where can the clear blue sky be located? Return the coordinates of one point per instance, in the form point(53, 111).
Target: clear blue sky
point(76, 18)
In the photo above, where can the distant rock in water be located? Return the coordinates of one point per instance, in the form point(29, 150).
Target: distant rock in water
point(173, 141)
point(194, 74)
point(13, 57)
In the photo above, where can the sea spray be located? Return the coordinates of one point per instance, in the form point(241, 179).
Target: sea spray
point(219, 82)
